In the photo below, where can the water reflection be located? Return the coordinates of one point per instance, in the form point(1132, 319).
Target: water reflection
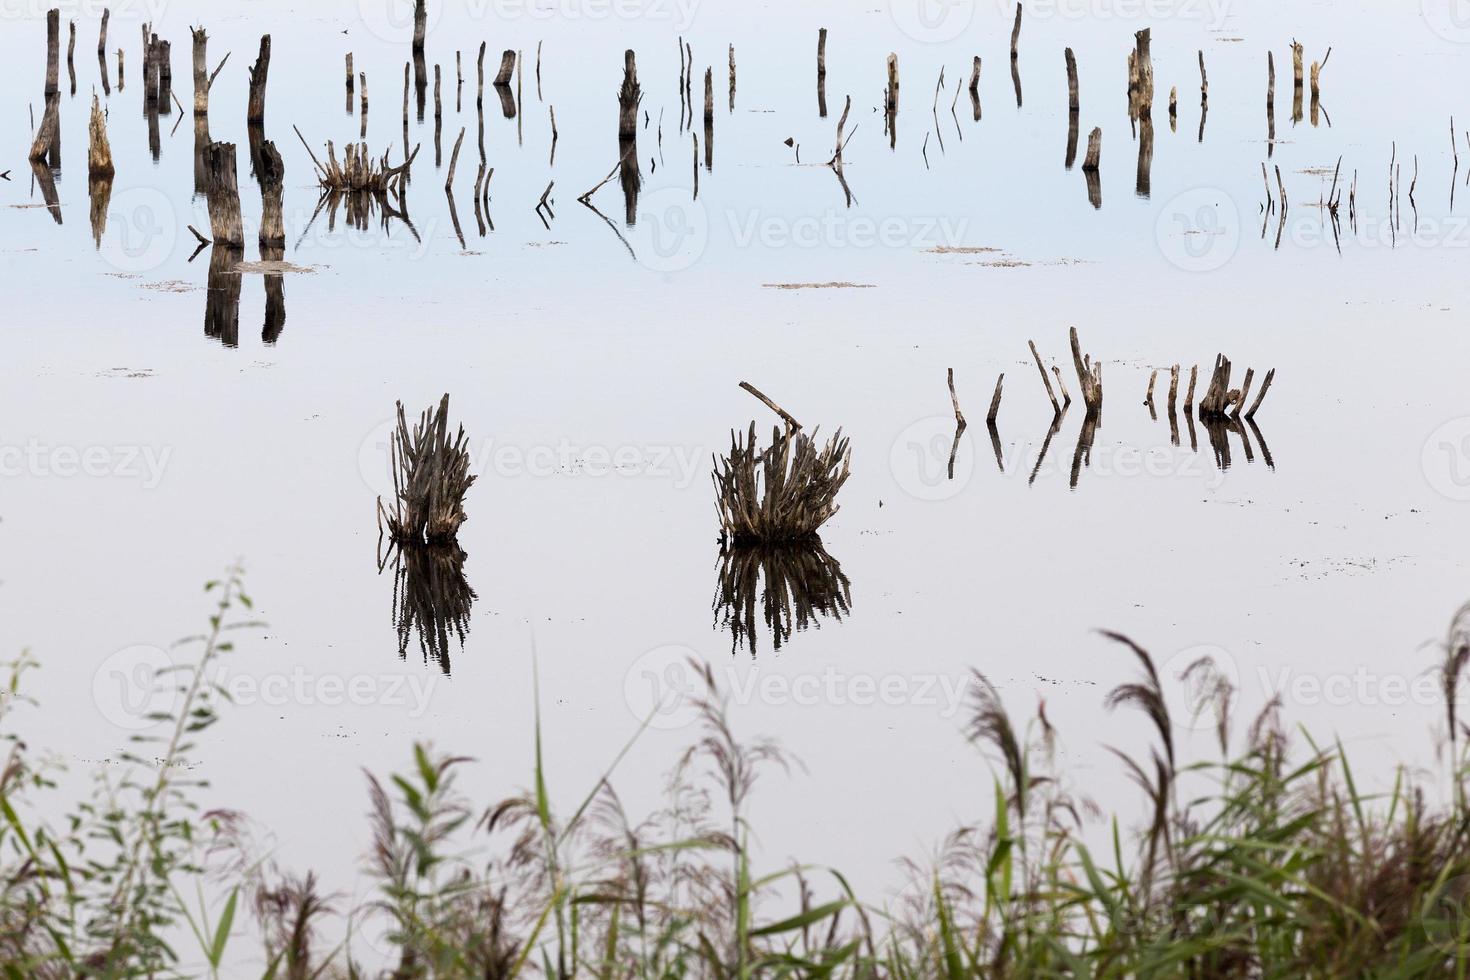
point(432, 600)
point(99, 193)
point(222, 296)
point(44, 178)
point(797, 585)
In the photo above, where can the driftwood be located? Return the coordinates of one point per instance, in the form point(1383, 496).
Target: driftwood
point(431, 475)
point(822, 73)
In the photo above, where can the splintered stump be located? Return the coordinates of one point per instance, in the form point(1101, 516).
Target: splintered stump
point(99, 154)
point(1093, 158)
point(629, 95)
point(782, 493)
point(1221, 401)
point(1089, 376)
point(271, 173)
point(222, 194)
point(431, 475)
point(259, 72)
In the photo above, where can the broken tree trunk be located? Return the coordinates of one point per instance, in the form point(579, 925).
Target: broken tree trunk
point(629, 95)
point(270, 171)
point(99, 154)
point(995, 400)
point(507, 68)
point(1056, 408)
point(222, 194)
point(255, 111)
point(1089, 376)
point(1145, 69)
point(1093, 159)
point(822, 73)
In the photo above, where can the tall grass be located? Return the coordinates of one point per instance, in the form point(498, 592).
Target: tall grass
point(1281, 866)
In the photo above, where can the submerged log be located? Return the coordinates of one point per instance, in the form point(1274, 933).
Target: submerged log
point(222, 194)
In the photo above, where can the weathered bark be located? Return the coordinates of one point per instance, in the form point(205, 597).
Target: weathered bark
point(259, 73)
point(270, 172)
point(99, 153)
point(629, 95)
point(222, 295)
point(222, 193)
point(1089, 376)
point(1056, 408)
point(822, 73)
point(163, 54)
point(507, 68)
point(1093, 159)
point(1145, 69)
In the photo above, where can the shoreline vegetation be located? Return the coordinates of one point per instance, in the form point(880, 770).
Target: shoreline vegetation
point(1281, 867)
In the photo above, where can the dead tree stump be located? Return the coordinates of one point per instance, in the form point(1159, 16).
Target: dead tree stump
point(99, 153)
point(259, 72)
point(629, 95)
point(270, 172)
point(222, 193)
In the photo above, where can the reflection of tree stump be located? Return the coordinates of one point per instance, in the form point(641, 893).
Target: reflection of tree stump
point(431, 599)
point(275, 295)
point(222, 295)
point(99, 194)
point(798, 585)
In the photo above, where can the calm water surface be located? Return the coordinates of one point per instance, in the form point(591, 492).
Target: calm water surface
point(594, 366)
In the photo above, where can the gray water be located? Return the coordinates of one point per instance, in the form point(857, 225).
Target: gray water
point(594, 366)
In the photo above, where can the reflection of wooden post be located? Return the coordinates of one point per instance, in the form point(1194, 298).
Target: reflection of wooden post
point(222, 193)
point(102, 51)
point(99, 154)
point(255, 111)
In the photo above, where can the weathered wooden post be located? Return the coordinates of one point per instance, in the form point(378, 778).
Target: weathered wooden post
point(120, 76)
point(46, 145)
point(507, 68)
point(363, 92)
point(890, 101)
point(1145, 68)
point(822, 73)
point(629, 95)
point(259, 72)
point(975, 88)
point(99, 153)
point(102, 52)
point(1296, 82)
point(1073, 107)
point(421, 71)
point(163, 51)
point(270, 172)
point(350, 79)
point(732, 78)
point(1093, 158)
point(222, 195)
point(71, 50)
point(1089, 376)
